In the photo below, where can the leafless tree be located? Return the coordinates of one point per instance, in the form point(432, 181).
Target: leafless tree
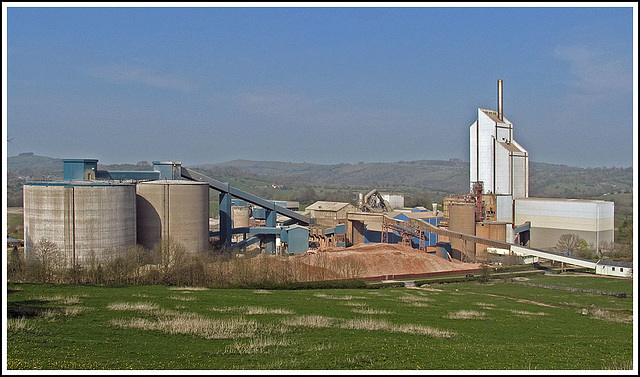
point(572, 244)
point(45, 260)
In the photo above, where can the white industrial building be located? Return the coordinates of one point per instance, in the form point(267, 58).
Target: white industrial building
point(613, 268)
point(395, 200)
point(502, 165)
point(497, 160)
point(592, 220)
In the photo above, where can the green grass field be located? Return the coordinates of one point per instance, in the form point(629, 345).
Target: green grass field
point(457, 326)
point(14, 225)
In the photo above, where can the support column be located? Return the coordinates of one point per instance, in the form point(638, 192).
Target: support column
point(225, 219)
point(270, 240)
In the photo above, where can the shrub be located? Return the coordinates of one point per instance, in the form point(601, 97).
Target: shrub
point(485, 275)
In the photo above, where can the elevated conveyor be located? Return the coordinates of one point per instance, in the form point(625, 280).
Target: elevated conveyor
point(227, 191)
point(225, 188)
point(424, 226)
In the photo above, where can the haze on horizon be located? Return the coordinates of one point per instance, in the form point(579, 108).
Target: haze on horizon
point(325, 85)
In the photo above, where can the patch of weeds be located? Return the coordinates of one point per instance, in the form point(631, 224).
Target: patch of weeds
point(144, 306)
point(371, 311)
point(21, 325)
point(259, 344)
point(261, 292)
point(466, 314)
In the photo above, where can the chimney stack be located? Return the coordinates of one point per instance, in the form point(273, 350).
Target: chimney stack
point(500, 100)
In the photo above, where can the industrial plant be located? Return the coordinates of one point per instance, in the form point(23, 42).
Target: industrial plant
point(93, 211)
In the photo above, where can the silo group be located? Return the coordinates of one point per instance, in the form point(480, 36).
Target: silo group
point(95, 220)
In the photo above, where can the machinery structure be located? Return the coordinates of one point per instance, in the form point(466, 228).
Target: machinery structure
point(374, 202)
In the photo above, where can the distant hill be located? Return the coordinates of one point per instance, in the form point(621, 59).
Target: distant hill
point(31, 166)
point(437, 175)
point(434, 177)
point(452, 176)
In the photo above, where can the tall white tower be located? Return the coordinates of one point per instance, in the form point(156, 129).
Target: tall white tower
point(497, 160)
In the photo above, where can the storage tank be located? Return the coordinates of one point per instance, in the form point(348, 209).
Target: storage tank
point(81, 218)
point(462, 219)
point(175, 209)
point(492, 230)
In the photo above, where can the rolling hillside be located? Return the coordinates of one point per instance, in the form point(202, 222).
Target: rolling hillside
point(424, 179)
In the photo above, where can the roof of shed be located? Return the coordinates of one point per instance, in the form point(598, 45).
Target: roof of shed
point(327, 206)
point(614, 263)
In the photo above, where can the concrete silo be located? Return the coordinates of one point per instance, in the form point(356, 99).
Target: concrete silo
point(81, 218)
point(462, 219)
point(175, 209)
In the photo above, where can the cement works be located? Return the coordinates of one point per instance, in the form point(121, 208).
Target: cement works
point(92, 211)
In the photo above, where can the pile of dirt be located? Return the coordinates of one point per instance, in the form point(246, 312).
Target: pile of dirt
point(368, 260)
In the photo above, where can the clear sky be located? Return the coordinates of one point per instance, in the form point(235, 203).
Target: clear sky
point(317, 84)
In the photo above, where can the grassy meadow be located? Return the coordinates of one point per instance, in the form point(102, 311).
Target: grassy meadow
point(456, 326)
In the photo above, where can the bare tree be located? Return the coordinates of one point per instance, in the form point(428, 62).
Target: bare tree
point(348, 267)
point(572, 244)
point(170, 255)
point(46, 259)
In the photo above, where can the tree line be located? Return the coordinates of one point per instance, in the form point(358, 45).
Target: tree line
point(169, 263)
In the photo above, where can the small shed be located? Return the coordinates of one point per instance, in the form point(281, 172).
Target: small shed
point(297, 239)
point(614, 268)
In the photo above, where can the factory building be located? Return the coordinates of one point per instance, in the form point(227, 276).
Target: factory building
point(329, 214)
point(91, 213)
point(499, 187)
point(592, 220)
point(496, 159)
point(395, 200)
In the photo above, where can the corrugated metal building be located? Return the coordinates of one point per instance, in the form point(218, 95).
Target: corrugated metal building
point(433, 218)
point(592, 220)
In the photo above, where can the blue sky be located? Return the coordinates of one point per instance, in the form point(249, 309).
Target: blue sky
point(317, 84)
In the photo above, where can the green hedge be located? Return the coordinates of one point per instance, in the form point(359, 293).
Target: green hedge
point(385, 285)
point(476, 277)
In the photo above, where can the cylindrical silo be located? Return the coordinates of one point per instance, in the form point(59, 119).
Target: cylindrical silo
point(83, 219)
point(462, 219)
point(176, 210)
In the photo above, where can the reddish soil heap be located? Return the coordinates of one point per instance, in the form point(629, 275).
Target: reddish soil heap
point(368, 260)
